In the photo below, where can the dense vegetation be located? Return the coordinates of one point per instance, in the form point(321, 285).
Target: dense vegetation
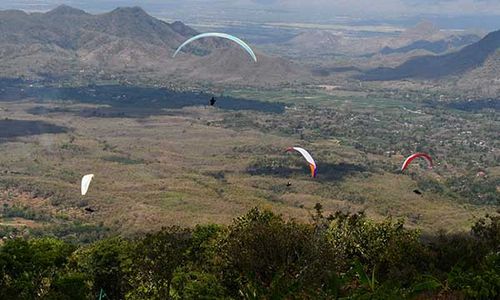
point(261, 256)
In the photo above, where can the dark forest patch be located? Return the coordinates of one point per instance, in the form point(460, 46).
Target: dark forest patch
point(127, 101)
point(19, 128)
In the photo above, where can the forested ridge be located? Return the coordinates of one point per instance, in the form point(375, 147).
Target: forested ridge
point(261, 255)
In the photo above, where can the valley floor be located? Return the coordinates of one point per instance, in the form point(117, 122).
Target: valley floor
point(199, 165)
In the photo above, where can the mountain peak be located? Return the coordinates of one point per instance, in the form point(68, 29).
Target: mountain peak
point(426, 25)
point(422, 29)
point(66, 10)
point(129, 11)
point(178, 24)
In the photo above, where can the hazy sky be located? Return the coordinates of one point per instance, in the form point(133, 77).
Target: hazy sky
point(286, 10)
point(400, 7)
point(345, 7)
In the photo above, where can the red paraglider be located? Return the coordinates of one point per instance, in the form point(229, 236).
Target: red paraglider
point(308, 157)
point(410, 158)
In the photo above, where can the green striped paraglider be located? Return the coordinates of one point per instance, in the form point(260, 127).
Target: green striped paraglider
point(220, 35)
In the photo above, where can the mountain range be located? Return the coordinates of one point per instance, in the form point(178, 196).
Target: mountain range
point(65, 42)
point(68, 43)
point(424, 37)
point(468, 59)
point(436, 47)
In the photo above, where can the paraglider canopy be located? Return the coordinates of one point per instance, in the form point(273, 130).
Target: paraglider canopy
point(410, 158)
point(220, 35)
point(308, 157)
point(86, 183)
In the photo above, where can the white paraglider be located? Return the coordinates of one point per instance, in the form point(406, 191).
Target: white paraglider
point(86, 183)
point(220, 35)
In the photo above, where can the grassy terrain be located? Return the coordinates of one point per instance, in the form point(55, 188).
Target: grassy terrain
point(198, 164)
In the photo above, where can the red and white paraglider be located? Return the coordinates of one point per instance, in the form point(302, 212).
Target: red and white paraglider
point(410, 158)
point(308, 157)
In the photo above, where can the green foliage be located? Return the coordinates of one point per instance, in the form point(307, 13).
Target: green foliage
point(197, 285)
point(427, 283)
point(68, 286)
point(28, 267)
point(261, 256)
point(108, 265)
point(476, 190)
point(24, 212)
point(488, 230)
point(387, 246)
point(75, 232)
point(204, 245)
point(368, 282)
point(157, 258)
point(482, 282)
point(269, 257)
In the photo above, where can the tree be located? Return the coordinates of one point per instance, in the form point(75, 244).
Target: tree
point(69, 286)
point(267, 257)
point(108, 265)
point(157, 258)
point(28, 268)
point(393, 250)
